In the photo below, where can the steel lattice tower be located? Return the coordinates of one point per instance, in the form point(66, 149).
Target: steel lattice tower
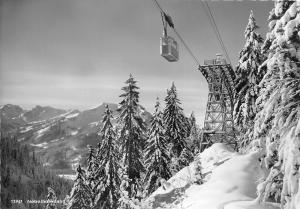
point(218, 123)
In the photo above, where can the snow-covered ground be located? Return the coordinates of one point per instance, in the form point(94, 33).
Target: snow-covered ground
point(67, 176)
point(26, 129)
point(230, 183)
point(54, 140)
point(41, 132)
point(42, 145)
point(21, 139)
point(73, 133)
point(94, 124)
point(72, 115)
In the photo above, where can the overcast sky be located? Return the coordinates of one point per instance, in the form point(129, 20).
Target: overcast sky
point(78, 53)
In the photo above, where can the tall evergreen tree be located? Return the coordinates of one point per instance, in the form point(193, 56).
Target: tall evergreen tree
point(247, 80)
point(81, 193)
point(97, 171)
point(277, 125)
point(131, 135)
point(194, 134)
point(157, 158)
point(91, 166)
point(108, 194)
point(175, 122)
point(90, 159)
point(185, 158)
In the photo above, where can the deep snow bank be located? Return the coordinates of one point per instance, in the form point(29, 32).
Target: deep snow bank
point(230, 183)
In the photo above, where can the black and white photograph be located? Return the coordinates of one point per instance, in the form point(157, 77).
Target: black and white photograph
point(150, 104)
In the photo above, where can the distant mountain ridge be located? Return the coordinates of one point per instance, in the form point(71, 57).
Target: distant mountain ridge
point(60, 137)
point(42, 113)
point(13, 116)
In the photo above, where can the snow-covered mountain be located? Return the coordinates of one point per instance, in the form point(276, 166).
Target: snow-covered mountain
point(10, 117)
point(60, 137)
point(13, 116)
point(39, 113)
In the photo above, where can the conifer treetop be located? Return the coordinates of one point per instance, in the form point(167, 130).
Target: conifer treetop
point(172, 96)
point(106, 121)
point(131, 87)
point(251, 26)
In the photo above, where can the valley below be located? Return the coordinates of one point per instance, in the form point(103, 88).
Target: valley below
point(60, 137)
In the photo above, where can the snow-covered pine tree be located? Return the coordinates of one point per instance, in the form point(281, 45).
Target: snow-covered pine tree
point(98, 171)
point(90, 159)
point(157, 157)
point(194, 134)
point(247, 81)
point(109, 191)
point(91, 166)
point(277, 125)
point(81, 194)
point(51, 196)
point(132, 135)
point(94, 171)
point(175, 122)
point(185, 158)
point(193, 125)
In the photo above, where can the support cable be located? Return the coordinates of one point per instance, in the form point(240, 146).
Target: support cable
point(215, 28)
point(187, 47)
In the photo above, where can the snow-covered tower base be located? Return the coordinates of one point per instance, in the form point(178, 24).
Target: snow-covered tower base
point(218, 123)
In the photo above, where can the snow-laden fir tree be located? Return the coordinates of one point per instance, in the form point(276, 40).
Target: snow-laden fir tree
point(108, 192)
point(51, 197)
point(175, 122)
point(90, 159)
point(157, 157)
point(185, 158)
point(98, 171)
point(91, 166)
point(94, 171)
point(247, 80)
point(132, 135)
point(194, 134)
point(277, 125)
point(81, 194)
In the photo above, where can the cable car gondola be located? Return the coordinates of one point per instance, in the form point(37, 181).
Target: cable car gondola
point(168, 45)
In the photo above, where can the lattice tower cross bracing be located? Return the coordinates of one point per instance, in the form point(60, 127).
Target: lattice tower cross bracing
point(218, 123)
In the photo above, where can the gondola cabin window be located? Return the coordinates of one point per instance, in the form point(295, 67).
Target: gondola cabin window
point(169, 48)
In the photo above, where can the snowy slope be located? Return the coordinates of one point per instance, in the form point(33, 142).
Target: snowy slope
point(230, 183)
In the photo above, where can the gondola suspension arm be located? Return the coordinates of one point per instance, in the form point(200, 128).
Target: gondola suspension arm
point(169, 20)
